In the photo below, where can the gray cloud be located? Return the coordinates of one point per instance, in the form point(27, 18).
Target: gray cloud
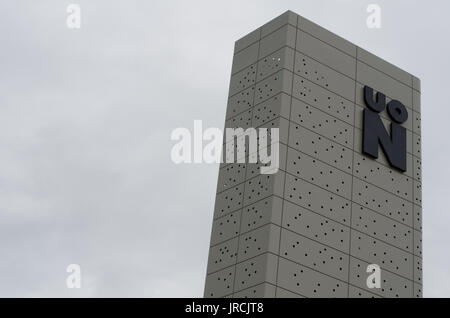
point(86, 116)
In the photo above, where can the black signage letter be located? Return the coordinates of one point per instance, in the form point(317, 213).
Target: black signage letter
point(394, 146)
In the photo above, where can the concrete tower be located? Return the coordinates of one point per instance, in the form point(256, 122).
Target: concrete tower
point(332, 209)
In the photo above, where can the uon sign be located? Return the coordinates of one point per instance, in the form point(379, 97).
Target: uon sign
point(393, 144)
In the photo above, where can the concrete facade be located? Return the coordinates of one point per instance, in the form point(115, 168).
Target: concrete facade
point(312, 228)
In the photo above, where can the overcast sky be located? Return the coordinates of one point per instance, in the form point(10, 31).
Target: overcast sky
point(85, 123)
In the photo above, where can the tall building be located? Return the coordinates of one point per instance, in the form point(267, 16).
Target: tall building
point(313, 228)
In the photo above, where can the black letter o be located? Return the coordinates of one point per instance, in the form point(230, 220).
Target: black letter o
point(397, 111)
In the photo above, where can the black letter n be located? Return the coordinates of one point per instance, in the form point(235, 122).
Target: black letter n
point(394, 146)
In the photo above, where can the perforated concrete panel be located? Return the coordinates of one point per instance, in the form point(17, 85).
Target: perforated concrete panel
point(312, 228)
